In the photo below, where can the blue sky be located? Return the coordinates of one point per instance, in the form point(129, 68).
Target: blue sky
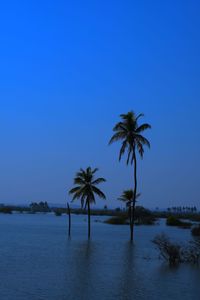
point(69, 68)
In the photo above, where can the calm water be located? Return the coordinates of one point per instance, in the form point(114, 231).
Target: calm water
point(37, 262)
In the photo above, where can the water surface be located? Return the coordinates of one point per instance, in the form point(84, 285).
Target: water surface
point(38, 261)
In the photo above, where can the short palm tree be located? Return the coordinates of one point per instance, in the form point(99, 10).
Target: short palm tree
point(129, 132)
point(127, 197)
point(85, 189)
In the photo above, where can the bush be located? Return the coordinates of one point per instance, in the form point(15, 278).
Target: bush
point(58, 213)
point(117, 221)
point(145, 221)
point(174, 253)
point(173, 221)
point(191, 253)
point(169, 251)
point(5, 210)
point(196, 231)
point(144, 216)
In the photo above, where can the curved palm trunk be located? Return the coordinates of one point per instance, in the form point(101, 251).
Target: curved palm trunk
point(134, 196)
point(88, 219)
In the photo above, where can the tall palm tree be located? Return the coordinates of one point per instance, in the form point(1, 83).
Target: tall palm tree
point(127, 197)
point(85, 189)
point(129, 132)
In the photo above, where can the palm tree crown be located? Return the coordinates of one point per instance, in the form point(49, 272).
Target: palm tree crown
point(85, 186)
point(129, 132)
point(128, 197)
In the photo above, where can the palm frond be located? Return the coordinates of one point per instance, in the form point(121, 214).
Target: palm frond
point(141, 139)
point(74, 190)
point(139, 116)
point(98, 180)
point(120, 127)
point(79, 180)
point(117, 136)
point(99, 193)
point(138, 195)
point(128, 116)
point(131, 151)
point(140, 149)
point(77, 195)
point(123, 149)
point(83, 200)
point(94, 171)
point(92, 198)
point(81, 173)
point(128, 196)
point(143, 127)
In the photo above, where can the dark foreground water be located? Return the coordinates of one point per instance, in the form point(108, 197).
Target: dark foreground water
point(37, 262)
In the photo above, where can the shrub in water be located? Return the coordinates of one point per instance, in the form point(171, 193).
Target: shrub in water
point(174, 253)
point(196, 231)
point(169, 251)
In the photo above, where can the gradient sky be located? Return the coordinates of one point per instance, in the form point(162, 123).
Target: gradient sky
point(69, 68)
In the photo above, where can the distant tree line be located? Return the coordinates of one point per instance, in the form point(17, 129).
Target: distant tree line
point(182, 209)
point(33, 207)
point(40, 207)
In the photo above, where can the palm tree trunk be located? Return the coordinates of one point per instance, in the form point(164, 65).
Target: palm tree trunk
point(130, 218)
point(134, 196)
point(69, 214)
point(88, 219)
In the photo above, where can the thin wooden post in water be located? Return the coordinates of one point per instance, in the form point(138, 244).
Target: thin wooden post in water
point(69, 214)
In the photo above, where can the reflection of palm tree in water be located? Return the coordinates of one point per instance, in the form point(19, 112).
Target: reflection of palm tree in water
point(80, 271)
point(128, 285)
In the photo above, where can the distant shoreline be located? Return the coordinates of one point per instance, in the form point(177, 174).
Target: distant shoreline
point(8, 209)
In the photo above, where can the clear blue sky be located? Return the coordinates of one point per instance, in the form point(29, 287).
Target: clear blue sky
point(69, 68)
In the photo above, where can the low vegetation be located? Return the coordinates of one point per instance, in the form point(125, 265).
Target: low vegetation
point(174, 221)
point(171, 252)
point(5, 210)
point(122, 220)
point(39, 207)
point(194, 217)
point(58, 213)
point(196, 231)
point(175, 253)
point(142, 217)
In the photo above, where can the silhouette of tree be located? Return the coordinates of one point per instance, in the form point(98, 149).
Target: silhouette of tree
point(85, 189)
point(128, 197)
point(129, 132)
